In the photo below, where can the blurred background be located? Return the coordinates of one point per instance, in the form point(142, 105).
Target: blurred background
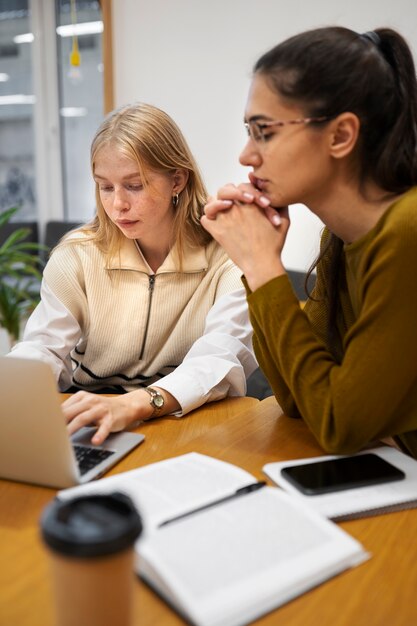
point(65, 63)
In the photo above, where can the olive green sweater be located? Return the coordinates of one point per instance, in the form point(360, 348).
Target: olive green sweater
point(372, 392)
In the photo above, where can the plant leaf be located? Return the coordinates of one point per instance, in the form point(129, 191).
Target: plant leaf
point(6, 215)
point(20, 274)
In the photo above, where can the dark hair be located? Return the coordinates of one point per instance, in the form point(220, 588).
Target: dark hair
point(331, 70)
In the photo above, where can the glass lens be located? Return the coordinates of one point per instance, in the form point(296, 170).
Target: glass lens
point(254, 130)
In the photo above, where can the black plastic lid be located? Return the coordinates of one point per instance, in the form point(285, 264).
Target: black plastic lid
point(91, 525)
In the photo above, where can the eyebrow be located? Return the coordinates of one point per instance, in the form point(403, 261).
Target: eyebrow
point(258, 118)
point(129, 177)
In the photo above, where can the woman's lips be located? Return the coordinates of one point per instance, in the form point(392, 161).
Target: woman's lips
point(259, 183)
point(126, 222)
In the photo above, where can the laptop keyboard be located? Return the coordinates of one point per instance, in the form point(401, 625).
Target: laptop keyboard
point(88, 457)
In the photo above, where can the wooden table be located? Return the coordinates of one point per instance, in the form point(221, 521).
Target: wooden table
point(249, 433)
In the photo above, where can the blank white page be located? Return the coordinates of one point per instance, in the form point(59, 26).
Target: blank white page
point(257, 550)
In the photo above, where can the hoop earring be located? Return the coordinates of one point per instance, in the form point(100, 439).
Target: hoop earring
point(175, 200)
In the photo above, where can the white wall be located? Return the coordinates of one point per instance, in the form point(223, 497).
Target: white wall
point(194, 58)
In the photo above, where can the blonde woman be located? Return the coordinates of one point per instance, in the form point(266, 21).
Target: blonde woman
point(141, 301)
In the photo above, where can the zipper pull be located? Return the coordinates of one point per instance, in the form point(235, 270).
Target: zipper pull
point(145, 336)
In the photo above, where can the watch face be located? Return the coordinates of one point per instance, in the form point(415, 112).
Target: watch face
point(158, 401)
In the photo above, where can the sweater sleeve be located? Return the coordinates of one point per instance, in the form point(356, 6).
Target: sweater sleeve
point(56, 324)
point(50, 334)
point(262, 343)
point(366, 396)
point(219, 362)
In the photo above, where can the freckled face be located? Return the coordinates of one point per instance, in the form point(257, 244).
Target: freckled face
point(140, 212)
point(292, 165)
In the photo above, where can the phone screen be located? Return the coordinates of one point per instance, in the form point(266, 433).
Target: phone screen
point(344, 473)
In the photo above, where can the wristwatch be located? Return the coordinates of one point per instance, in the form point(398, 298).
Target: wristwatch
point(157, 400)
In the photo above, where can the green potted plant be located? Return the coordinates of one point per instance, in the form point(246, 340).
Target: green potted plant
point(20, 274)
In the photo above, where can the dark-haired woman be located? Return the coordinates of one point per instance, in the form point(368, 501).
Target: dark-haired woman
point(332, 123)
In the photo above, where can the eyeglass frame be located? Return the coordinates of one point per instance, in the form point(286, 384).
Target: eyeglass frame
point(261, 126)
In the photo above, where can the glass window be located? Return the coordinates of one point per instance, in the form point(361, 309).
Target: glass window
point(80, 30)
point(17, 172)
point(49, 108)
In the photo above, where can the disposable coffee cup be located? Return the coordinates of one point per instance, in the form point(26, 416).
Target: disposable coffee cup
point(90, 541)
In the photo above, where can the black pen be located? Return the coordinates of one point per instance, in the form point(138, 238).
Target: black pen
point(239, 492)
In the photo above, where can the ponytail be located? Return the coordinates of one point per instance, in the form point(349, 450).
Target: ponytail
point(396, 166)
point(328, 71)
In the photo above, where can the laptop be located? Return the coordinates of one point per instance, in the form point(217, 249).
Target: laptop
point(34, 443)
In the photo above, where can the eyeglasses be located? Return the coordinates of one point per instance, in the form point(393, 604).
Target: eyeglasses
point(256, 130)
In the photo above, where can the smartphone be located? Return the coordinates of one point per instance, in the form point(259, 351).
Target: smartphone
point(348, 472)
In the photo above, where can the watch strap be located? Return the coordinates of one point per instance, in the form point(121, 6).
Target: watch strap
point(157, 400)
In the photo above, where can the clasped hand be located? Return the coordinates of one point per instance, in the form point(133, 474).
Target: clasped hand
point(251, 231)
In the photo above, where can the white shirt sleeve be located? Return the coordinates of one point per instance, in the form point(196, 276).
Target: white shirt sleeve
point(50, 334)
point(220, 361)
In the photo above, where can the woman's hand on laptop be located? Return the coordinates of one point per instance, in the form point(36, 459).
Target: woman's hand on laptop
point(111, 413)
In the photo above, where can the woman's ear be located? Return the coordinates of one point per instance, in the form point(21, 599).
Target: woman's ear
point(344, 134)
point(180, 180)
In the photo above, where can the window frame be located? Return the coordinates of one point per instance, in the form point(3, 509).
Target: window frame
point(47, 140)
point(107, 46)
point(46, 120)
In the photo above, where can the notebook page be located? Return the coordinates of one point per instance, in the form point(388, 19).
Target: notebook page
point(258, 550)
point(168, 488)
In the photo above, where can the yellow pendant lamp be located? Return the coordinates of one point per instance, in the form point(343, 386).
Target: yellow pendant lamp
point(75, 57)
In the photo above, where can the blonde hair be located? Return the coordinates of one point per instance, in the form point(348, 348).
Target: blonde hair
point(150, 137)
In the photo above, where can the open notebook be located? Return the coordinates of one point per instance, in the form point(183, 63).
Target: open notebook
point(221, 548)
point(34, 443)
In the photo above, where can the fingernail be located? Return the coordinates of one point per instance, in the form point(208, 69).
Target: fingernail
point(227, 202)
point(248, 196)
point(276, 220)
point(264, 201)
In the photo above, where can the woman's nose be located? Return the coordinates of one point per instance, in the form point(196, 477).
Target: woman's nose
point(120, 199)
point(250, 154)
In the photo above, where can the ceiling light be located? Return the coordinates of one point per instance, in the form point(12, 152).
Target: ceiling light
point(17, 98)
point(69, 30)
point(25, 38)
point(73, 111)
point(84, 28)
